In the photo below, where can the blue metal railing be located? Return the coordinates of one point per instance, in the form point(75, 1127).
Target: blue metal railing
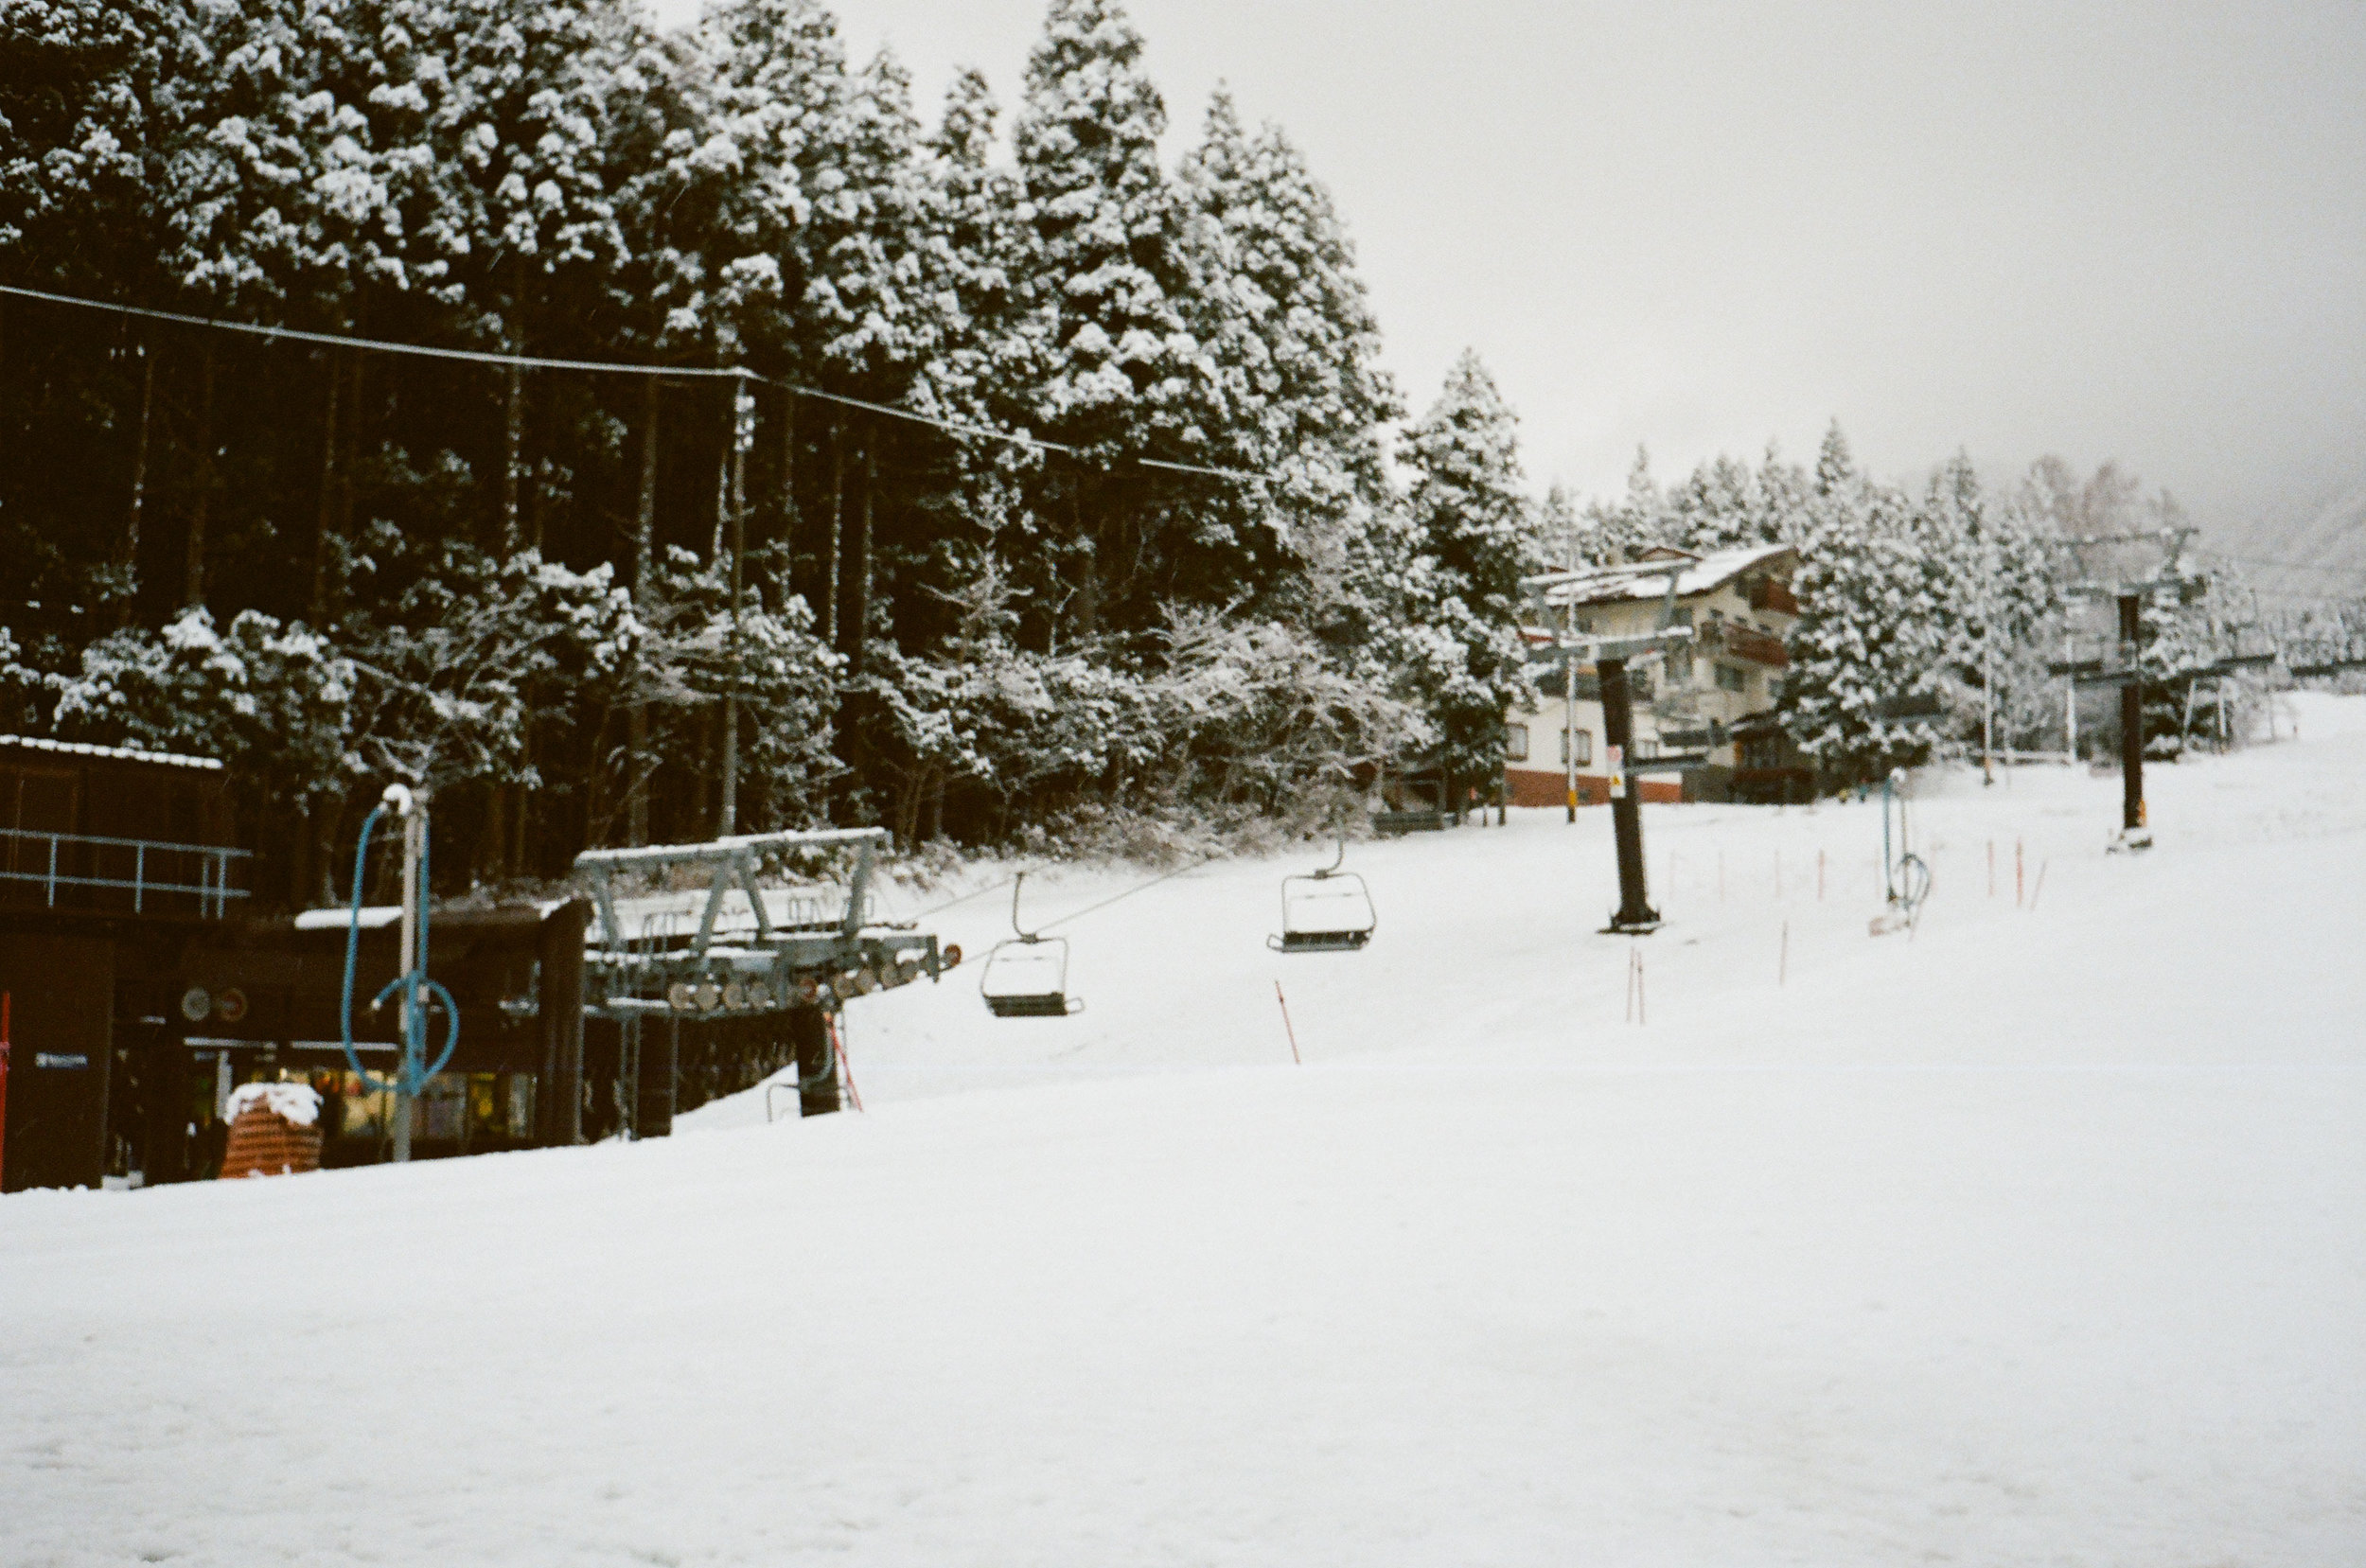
point(212, 888)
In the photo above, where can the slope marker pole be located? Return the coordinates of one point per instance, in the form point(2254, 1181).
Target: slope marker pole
point(1286, 1027)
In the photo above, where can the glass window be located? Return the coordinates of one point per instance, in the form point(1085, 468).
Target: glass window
point(1585, 748)
point(1732, 680)
point(1517, 741)
point(521, 1104)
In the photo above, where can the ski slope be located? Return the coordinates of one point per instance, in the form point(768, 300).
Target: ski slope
point(2037, 1237)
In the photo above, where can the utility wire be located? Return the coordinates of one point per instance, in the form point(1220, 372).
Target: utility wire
point(609, 368)
point(2329, 567)
point(379, 346)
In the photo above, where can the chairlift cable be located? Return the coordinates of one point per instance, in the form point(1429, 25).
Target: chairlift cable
point(974, 893)
point(1162, 876)
point(610, 367)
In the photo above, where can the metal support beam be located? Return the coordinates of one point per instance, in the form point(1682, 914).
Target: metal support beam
point(2131, 724)
point(1634, 910)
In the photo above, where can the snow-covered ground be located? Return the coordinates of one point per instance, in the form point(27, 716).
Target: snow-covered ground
point(2037, 1238)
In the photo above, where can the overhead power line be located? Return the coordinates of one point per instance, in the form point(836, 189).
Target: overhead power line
point(608, 368)
point(376, 345)
point(2330, 567)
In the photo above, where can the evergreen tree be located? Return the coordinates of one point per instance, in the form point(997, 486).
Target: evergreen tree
point(1835, 468)
point(1874, 628)
point(1717, 507)
point(1784, 495)
point(1116, 372)
point(1282, 314)
point(972, 265)
point(1468, 544)
point(1621, 531)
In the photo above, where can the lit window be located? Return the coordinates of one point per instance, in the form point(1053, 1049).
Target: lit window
point(1517, 741)
point(1584, 745)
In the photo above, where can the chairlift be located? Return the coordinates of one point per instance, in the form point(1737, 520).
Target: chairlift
point(1326, 911)
point(1026, 975)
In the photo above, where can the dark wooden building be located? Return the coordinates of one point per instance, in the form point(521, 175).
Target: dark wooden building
point(143, 988)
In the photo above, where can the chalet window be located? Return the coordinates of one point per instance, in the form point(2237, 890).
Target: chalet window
point(1732, 680)
point(1517, 741)
point(1679, 667)
point(1586, 748)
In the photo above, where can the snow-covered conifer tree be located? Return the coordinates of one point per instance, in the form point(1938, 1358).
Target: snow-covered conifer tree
point(1618, 531)
point(1468, 538)
point(1281, 311)
point(1115, 369)
point(1875, 602)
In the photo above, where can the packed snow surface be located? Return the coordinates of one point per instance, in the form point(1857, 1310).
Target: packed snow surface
point(2036, 1236)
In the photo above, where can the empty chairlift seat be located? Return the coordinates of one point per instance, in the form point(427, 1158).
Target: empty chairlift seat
point(1026, 975)
point(1325, 911)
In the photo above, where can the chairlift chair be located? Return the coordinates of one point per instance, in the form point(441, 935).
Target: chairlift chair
point(1026, 975)
point(1327, 910)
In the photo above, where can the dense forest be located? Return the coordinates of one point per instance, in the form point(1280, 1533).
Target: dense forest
point(785, 451)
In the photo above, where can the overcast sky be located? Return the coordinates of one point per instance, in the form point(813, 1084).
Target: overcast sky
point(2134, 232)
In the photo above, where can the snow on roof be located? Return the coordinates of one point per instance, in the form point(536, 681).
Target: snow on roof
point(296, 1103)
point(1647, 579)
point(376, 917)
point(372, 917)
point(118, 753)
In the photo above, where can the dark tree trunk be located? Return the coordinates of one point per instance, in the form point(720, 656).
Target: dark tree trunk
point(859, 632)
point(788, 479)
point(200, 504)
point(643, 566)
point(139, 488)
point(493, 839)
point(838, 527)
point(1088, 591)
point(324, 530)
point(513, 447)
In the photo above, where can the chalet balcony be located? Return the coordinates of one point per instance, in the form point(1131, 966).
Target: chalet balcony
point(1748, 643)
point(86, 875)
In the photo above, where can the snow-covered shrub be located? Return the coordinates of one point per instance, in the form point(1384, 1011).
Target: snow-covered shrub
point(275, 702)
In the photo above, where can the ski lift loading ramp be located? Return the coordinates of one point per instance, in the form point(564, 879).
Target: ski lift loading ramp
point(823, 950)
